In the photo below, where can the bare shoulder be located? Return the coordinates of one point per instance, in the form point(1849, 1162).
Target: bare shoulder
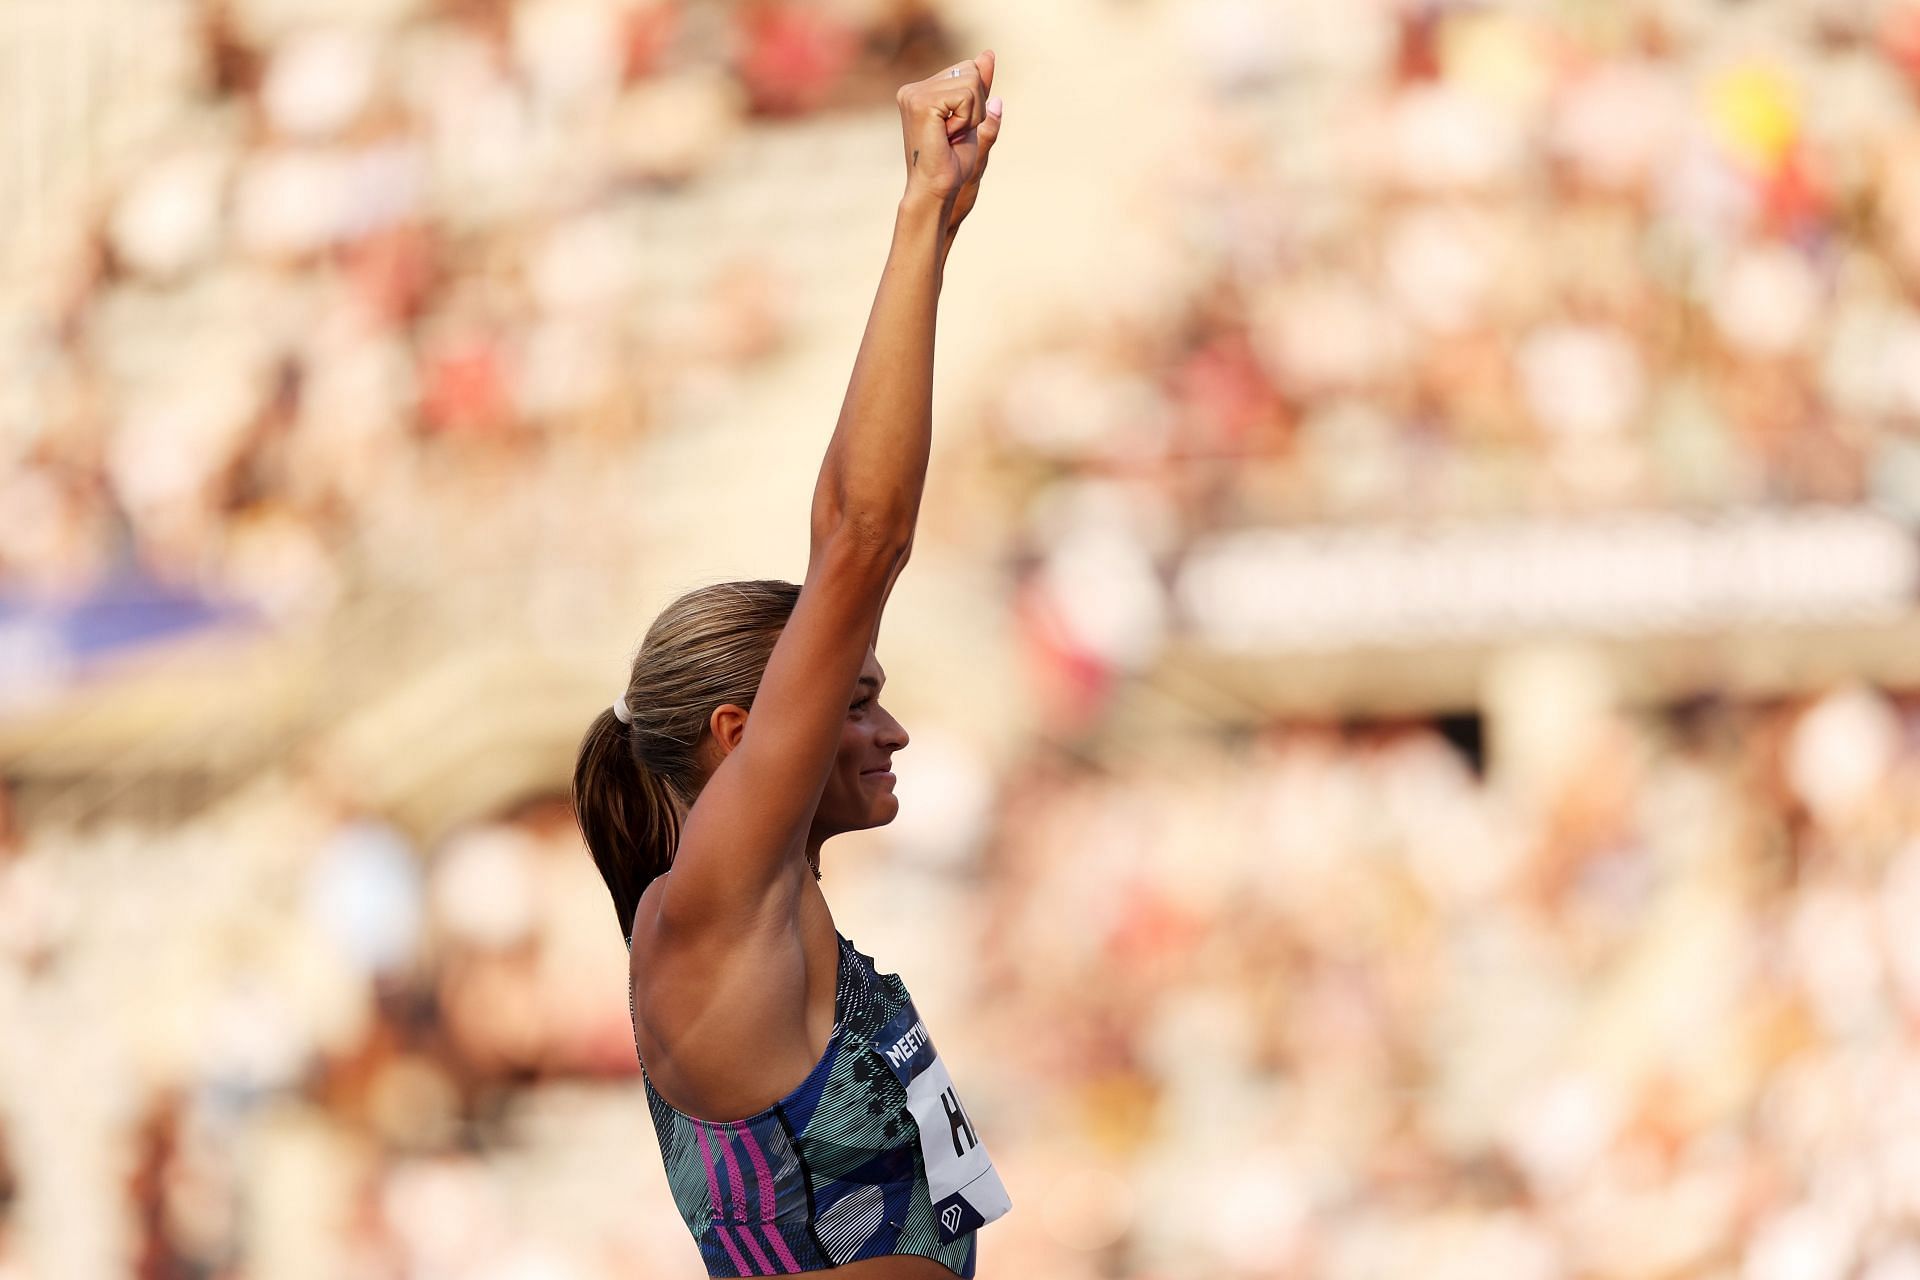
point(729, 1020)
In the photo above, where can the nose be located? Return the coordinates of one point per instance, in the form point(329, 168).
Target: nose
point(894, 734)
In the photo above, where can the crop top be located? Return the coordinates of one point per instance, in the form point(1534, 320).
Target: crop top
point(871, 1154)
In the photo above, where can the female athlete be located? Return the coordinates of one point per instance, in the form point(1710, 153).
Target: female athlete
point(804, 1115)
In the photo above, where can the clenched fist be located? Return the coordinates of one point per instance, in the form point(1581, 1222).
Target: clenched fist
point(950, 125)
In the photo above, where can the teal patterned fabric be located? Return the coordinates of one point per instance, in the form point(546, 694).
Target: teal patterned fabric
point(830, 1174)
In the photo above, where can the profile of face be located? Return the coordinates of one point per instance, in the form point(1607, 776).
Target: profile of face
point(859, 790)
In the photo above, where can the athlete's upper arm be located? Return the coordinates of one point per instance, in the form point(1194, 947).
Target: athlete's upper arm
point(737, 855)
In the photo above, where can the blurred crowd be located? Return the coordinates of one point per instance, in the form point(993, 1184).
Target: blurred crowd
point(1331, 1002)
point(1323, 999)
point(398, 254)
point(289, 1041)
point(1432, 260)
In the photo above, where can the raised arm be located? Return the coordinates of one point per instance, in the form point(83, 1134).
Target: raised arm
point(876, 463)
point(877, 459)
point(740, 860)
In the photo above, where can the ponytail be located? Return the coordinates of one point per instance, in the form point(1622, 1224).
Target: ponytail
point(628, 814)
point(633, 783)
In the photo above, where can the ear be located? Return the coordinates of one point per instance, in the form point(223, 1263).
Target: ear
point(727, 724)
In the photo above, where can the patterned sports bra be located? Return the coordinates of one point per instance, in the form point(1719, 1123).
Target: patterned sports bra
point(871, 1154)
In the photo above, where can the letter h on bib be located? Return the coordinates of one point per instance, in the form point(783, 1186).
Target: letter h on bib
point(957, 1122)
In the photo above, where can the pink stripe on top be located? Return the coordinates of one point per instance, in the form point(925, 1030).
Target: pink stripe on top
point(746, 1236)
point(768, 1201)
point(713, 1196)
point(740, 1198)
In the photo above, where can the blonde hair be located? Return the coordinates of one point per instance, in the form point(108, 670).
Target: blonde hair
point(633, 783)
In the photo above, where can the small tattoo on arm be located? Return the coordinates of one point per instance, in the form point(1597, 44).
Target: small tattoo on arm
point(916, 157)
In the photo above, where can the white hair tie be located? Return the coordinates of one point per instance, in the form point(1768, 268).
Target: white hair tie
point(620, 711)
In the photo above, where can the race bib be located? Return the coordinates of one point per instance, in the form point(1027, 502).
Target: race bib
point(966, 1192)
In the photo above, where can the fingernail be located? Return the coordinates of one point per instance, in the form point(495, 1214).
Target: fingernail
point(994, 106)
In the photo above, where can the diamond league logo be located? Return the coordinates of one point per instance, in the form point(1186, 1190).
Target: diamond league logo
point(950, 1218)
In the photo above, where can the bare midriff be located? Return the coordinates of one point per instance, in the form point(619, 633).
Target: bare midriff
point(898, 1266)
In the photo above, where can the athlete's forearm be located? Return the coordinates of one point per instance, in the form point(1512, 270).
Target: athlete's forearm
point(876, 464)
